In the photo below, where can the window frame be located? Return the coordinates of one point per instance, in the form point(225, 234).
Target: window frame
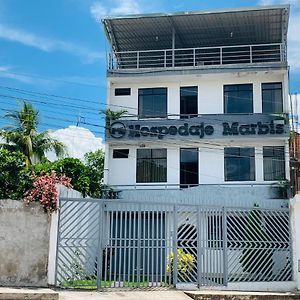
point(152, 159)
point(283, 161)
point(273, 102)
point(140, 105)
point(188, 115)
point(240, 158)
point(122, 94)
point(120, 156)
point(225, 99)
point(181, 171)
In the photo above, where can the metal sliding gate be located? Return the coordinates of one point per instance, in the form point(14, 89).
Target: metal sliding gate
point(114, 243)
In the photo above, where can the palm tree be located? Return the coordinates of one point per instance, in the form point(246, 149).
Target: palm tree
point(22, 135)
point(111, 115)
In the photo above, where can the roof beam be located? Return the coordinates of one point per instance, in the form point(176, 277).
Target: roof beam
point(175, 33)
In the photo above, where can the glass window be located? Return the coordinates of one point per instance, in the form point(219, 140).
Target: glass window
point(274, 163)
point(239, 164)
point(189, 170)
point(238, 98)
point(153, 103)
point(188, 102)
point(272, 97)
point(151, 165)
point(120, 153)
point(123, 92)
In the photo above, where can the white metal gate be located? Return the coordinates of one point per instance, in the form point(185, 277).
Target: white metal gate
point(114, 243)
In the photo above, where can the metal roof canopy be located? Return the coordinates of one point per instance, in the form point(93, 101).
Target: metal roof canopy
point(256, 25)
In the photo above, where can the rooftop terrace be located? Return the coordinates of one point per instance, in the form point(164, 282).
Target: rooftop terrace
point(255, 35)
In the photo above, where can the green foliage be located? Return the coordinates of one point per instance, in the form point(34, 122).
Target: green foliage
point(21, 135)
point(14, 177)
point(94, 162)
point(111, 115)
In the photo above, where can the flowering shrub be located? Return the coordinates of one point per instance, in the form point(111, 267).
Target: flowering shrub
point(45, 191)
point(185, 263)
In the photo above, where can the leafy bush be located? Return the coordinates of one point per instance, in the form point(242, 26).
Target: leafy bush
point(15, 179)
point(45, 191)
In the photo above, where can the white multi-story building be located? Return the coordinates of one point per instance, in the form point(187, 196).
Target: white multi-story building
point(205, 96)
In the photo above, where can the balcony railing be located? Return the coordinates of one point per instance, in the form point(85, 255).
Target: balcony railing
point(198, 57)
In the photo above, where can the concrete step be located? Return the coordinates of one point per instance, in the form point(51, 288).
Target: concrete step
point(234, 295)
point(28, 294)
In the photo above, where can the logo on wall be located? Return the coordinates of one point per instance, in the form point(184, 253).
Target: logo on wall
point(117, 130)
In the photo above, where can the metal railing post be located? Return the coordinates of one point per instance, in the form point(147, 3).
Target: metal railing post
point(194, 57)
point(251, 60)
point(198, 247)
point(175, 268)
point(221, 56)
point(100, 244)
point(138, 60)
point(225, 254)
point(165, 58)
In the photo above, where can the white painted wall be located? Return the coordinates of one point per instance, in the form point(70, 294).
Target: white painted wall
point(210, 89)
point(210, 101)
point(122, 171)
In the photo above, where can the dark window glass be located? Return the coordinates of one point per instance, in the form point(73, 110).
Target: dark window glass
point(153, 103)
point(238, 98)
point(272, 97)
point(274, 163)
point(123, 92)
point(189, 170)
point(151, 165)
point(188, 102)
point(120, 153)
point(239, 164)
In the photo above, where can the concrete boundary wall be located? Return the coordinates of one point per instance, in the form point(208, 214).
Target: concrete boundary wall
point(24, 244)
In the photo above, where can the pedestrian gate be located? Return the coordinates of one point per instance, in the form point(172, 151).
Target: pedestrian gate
point(114, 243)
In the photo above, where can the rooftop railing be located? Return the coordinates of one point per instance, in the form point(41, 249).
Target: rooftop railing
point(198, 57)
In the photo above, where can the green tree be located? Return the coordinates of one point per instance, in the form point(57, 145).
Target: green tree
point(14, 178)
point(22, 135)
point(94, 162)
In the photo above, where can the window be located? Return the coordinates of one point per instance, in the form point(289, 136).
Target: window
point(272, 97)
point(274, 163)
point(151, 165)
point(120, 153)
point(188, 102)
point(238, 98)
point(123, 92)
point(189, 170)
point(239, 164)
point(153, 103)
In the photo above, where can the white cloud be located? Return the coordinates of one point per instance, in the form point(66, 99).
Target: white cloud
point(293, 31)
point(97, 11)
point(120, 7)
point(48, 44)
point(78, 141)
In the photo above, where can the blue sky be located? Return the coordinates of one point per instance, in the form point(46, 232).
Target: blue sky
point(58, 48)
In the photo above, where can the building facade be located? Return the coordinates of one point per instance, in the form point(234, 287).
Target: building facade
point(209, 107)
point(198, 140)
